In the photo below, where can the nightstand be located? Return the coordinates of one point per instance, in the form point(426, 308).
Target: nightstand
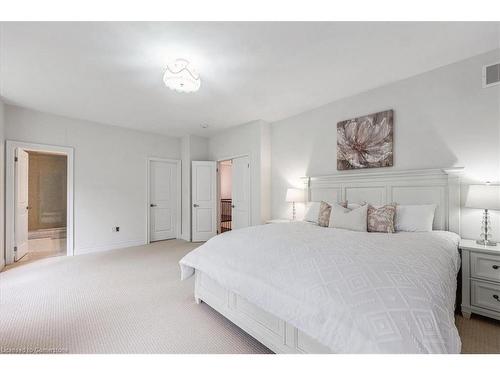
point(278, 221)
point(480, 279)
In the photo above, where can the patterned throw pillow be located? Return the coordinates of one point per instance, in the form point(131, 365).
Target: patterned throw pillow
point(325, 210)
point(324, 214)
point(381, 219)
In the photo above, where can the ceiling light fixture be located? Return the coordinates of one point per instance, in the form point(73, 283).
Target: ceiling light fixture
point(180, 76)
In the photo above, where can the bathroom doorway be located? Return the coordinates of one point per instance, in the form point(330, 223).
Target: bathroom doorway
point(39, 199)
point(47, 210)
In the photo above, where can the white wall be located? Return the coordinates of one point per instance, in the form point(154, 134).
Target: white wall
point(192, 148)
point(2, 185)
point(250, 139)
point(110, 173)
point(442, 118)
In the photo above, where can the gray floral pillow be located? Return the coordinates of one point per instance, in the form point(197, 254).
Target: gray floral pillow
point(381, 219)
point(324, 213)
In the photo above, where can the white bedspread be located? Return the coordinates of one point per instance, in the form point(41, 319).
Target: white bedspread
point(353, 292)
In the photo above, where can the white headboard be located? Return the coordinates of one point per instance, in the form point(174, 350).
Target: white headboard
point(422, 186)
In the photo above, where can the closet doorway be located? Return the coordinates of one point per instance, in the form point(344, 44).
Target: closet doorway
point(233, 193)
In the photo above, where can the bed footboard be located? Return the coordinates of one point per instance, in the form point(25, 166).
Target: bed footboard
point(276, 334)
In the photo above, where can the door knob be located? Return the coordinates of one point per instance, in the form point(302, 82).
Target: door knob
point(28, 207)
point(152, 205)
point(232, 206)
point(196, 205)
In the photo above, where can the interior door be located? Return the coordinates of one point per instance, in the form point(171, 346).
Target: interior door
point(21, 199)
point(163, 200)
point(241, 192)
point(204, 199)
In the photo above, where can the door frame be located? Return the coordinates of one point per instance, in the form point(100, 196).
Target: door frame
point(10, 149)
point(178, 218)
point(218, 160)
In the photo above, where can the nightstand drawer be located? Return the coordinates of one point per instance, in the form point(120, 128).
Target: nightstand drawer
point(485, 266)
point(485, 295)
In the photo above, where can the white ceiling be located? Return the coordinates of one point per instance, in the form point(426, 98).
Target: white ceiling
point(112, 72)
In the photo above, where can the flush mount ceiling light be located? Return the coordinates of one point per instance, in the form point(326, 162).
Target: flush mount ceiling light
point(181, 76)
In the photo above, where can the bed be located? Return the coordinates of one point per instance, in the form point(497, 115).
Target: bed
point(300, 288)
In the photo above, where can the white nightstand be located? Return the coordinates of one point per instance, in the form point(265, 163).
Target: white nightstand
point(480, 279)
point(277, 221)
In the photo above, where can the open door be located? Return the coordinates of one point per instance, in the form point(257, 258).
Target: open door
point(204, 200)
point(21, 204)
point(241, 192)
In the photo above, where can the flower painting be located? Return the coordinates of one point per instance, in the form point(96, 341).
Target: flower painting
point(365, 142)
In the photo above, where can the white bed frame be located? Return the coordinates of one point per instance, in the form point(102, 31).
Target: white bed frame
point(425, 186)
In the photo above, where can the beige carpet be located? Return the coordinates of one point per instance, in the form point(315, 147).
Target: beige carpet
point(480, 335)
point(120, 301)
point(132, 301)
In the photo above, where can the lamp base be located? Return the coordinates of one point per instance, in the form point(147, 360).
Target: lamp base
point(486, 227)
point(486, 243)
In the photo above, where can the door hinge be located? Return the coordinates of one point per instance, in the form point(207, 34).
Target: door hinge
point(248, 165)
point(15, 158)
point(15, 249)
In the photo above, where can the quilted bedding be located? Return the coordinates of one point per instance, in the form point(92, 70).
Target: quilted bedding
point(353, 292)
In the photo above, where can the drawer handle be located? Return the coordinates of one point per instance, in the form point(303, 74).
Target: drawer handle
point(495, 296)
point(495, 267)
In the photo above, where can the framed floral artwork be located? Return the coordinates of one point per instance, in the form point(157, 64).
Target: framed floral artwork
point(365, 142)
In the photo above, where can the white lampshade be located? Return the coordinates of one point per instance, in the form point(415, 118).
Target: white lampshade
point(484, 197)
point(294, 195)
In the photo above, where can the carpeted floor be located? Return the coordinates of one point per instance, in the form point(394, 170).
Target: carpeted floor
point(480, 335)
point(132, 301)
point(120, 301)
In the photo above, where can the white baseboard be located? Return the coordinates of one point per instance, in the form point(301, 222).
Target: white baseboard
point(112, 246)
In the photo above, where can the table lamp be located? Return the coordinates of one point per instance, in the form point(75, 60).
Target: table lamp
point(485, 197)
point(294, 195)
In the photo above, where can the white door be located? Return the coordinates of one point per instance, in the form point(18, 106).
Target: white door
point(204, 209)
point(21, 199)
point(162, 200)
point(241, 192)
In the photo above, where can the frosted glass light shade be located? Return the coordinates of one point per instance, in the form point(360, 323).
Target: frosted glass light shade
point(294, 195)
point(484, 197)
point(181, 76)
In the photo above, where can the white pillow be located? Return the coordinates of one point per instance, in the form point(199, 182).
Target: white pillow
point(352, 206)
point(312, 212)
point(344, 218)
point(414, 218)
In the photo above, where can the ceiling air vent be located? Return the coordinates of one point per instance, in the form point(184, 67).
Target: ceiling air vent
point(491, 75)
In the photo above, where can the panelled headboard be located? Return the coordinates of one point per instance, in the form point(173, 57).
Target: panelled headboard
point(422, 186)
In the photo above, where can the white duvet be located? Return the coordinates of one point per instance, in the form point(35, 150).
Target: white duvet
point(353, 292)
